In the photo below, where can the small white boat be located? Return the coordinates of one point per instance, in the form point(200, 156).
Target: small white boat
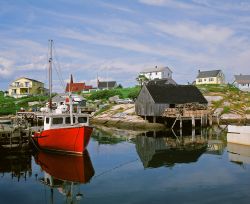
point(238, 129)
point(238, 134)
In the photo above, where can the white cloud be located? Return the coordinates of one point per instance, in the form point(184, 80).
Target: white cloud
point(117, 7)
point(195, 32)
point(6, 67)
point(239, 5)
point(154, 2)
point(168, 3)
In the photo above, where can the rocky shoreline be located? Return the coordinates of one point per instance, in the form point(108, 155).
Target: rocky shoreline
point(129, 125)
point(124, 117)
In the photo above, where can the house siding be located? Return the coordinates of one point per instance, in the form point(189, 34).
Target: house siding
point(145, 105)
point(24, 86)
point(211, 80)
point(243, 87)
point(166, 73)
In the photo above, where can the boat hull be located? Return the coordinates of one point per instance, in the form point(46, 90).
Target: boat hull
point(238, 129)
point(238, 138)
point(72, 140)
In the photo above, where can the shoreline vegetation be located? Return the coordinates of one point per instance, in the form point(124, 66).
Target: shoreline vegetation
point(227, 103)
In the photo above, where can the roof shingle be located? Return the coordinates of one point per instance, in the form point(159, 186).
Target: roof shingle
point(242, 79)
point(206, 74)
point(175, 94)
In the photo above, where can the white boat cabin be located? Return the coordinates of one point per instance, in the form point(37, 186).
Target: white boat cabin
point(52, 121)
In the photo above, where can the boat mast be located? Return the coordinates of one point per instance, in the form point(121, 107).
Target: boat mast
point(70, 106)
point(50, 75)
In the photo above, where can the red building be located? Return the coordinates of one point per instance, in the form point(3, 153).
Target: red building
point(76, 87)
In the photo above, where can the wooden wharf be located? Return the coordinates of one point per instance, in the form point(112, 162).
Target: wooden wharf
point(14, 138)
point(189, 112)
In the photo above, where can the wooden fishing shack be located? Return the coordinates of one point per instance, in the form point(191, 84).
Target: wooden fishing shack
point(171, 103)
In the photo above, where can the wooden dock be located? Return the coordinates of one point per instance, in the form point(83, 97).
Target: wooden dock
point(14, 138)
point(189, 112)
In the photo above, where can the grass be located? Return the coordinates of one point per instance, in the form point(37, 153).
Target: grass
point(121, 92)
point(218, 88)
point(10, 105)
point(103, 110)
point(226, 109)
point(236, 100)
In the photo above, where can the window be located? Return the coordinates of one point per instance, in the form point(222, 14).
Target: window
point(56, 121)
point(67, 120)
point(82, 119)
point(205, 79)
point(211, 79)
point(47, 120)
point(27, 84)
point(199, 80)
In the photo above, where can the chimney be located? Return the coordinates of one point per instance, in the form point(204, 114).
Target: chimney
point(199, 71)
point(156, 67)
point(71, 79)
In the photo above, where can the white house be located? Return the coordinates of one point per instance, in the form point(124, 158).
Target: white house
point(210, 77)
point(157, 73)
point(242, 82)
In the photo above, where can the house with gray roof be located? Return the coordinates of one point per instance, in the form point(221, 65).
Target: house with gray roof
point(210, 77)
point(105, 85)
point(157, 73)
point(242, 82)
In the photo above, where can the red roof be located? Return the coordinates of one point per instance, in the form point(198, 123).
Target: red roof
point(77, 87)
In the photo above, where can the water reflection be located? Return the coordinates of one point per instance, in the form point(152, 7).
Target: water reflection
point(167, 151)
point(65, 173)
point(239, 154)
point(112, 136)
point(18, 165)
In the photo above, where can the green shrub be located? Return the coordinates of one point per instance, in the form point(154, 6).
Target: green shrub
point(134, 93)
point(104, 94)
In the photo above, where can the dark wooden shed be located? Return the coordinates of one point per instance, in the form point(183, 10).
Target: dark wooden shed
point(153, 99)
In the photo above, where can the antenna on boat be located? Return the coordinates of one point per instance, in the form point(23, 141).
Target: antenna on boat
point(50, 75)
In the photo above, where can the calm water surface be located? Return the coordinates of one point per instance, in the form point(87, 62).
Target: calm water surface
point(122, 167)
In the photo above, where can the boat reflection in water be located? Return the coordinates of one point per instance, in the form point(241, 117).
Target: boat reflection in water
point(239, 154)
point(65, 173)
point(167, 150)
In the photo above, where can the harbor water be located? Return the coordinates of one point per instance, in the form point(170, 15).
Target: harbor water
point(132, 167)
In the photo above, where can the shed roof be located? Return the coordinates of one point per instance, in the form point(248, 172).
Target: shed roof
point(205, 74)
point(175, 94)
point(242, 79)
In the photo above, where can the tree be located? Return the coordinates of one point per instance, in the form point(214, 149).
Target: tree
point(119, 86)
point(142, 79)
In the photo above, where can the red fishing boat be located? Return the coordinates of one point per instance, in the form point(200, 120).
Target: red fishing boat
point(60, 134)
point(63, 131)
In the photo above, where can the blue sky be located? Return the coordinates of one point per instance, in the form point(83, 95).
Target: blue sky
point(116, 39)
